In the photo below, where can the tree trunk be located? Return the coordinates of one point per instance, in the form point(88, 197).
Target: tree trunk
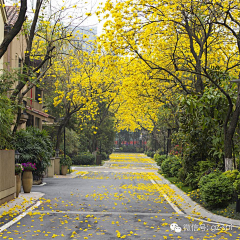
point(169, 132)
point(228, 152)
point(199, 83)
point(229, 133)
point(59, 136)
point(19, 113)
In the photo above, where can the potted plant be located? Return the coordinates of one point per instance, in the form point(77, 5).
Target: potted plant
point(18, 173)
point(35, 146)
point(65, 163)
point(27, 179)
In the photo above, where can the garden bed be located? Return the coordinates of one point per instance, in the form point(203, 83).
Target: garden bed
point(228, 211)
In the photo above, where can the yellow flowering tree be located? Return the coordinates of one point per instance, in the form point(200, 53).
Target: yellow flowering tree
point(45, 33)
point(81, 86)
point(179, 45)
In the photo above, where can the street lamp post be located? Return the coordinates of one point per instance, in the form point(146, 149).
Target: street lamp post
point(17, 155)
point(57, 152)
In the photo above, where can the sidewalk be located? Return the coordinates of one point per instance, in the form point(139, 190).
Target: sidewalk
point(192, 208)
point(20, 204)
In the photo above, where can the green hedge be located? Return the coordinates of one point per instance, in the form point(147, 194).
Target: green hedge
point(170, 166)
point(216, 190)
point(159, 158)
point(149, 153)
point(84, 158)
point(104, 156)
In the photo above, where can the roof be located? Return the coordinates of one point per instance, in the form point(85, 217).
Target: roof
point(3, 10)
point(12, 15)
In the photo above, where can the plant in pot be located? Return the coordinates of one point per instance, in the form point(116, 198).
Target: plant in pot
point(35, 146)
point(65, 163)
point(27, 179)
point(18, 173)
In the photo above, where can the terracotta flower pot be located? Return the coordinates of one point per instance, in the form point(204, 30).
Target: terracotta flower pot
point(18, 184)
point(27, 181)
point(64, 170)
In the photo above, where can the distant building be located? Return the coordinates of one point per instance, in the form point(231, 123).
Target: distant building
point(84, 36)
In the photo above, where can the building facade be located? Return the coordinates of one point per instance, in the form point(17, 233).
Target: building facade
point(32, 113)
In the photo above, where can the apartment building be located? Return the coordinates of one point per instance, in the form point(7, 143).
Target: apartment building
point(32, 114)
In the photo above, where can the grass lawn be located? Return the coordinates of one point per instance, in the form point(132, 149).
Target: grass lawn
point(179, 184)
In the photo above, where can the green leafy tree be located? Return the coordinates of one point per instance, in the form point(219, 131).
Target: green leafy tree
point(6, 120)
point(201, 131)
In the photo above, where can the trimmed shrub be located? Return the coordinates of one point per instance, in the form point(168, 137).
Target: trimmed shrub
point(166, 167)
point(84, 158)
point(104, 156)
point(170, 166)
point(160, 152)
point(175, 166)
point(192, 180)
point(149, 154)
point(232, 175)
point(236, 185)
point(139, 150)
point(129, 149)
point(159, 158)
point(181, 175)
point(193, 177)
point(216, 190)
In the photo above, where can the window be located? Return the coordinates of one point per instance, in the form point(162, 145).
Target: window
point(30, 121)
point(38, 94)
point(19, 63)
point(37, 122)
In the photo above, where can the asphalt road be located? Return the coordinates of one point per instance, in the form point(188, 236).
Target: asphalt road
point(110, 203)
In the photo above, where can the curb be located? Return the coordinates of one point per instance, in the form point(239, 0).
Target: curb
point(69, 175)
point(193, 209)
point(20, 204)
